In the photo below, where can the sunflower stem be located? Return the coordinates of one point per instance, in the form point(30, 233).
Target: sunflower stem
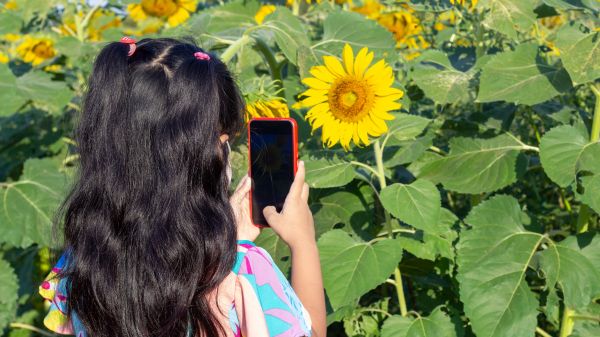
point(230, 52)
point(273, 64)
point(378, 150)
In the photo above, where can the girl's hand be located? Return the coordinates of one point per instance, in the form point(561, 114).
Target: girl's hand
point(295, 223)
point(240, 202)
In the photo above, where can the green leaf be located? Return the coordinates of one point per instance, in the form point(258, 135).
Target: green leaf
point(322, 173)
point(9, 287)
point(405, 126)
point(417, 204)
point(9, 23)
point(591, 185)
point(406, 151)
point(355, 267)
point(567, 264)
point(437, 324)
point(509, 16)
point(347, 207)
point(8, 92)
point(28, 204)
point(580, 53)
point(521, 76)
point(39, 87)
point(492, 259)
point(560, 152)
point(440, 80)
point(341, 27)
point(573, 4)
point(279, 250)
point(289, 32)
point(476, 165)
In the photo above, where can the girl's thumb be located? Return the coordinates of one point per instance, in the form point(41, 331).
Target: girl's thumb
point(271, 215)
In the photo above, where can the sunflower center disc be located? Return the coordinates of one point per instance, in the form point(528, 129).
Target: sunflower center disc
point(350, 99)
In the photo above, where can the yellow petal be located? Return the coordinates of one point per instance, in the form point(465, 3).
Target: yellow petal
point(348, 57)
point(322, 73)
point(313, 100)
point(334, 66)
point(179, 17)
point(363, 59)
point(315, 83)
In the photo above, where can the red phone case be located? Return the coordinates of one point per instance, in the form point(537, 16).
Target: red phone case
point(295, 154)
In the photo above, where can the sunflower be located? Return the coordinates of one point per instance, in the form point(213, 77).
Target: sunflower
point(3, 58)
point(11, 5)
point(463, 3)
point(370, 8)
point(175, 11)
point(36, 50)
point(100, 21)
point(275, 107)
point(350, 101)
point(407, 31)
point(262, 12)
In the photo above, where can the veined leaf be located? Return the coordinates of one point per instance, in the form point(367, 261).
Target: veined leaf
point(509, 16)
point(561, 149)
point(492, 259)
point(355, 267)
point(476, 165)
point(40, 88)
point(405, 126)
point(9, 287)
point(322, 173)
point(591, 187)
point(289, 32)
point(521, 76)
point(437, 324)
point(29, 203)
point(341, 27)
point(418, 204)
point(573, 4)
point(8, 92)
point(580, 53)
point(440, 80)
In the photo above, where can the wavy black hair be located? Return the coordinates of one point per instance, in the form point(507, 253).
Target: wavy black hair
point(148, 222)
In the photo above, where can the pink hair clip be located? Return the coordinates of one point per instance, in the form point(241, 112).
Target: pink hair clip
point(201, 56)
point(131, 43)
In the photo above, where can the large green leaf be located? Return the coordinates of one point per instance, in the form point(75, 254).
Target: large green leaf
point(39, 87)
point(437, 324)
point(560, 152)
point(354, 267)
point(405, 126)
point(323, 173)
point(435, 242)
point(492, 258)
point(591, 185)
point(574, 268)
point(580, 53)
point(289, 32)
point(347, 207)
point(509, 16)
point(278, 249)
point(440, 80)
point(341, 27)
point(9, 286)
point(8, 92)
point(28, 204)
point(10, 22)
point(418, 204)
point(476, 165)
point(574, 4)
point(521, 76)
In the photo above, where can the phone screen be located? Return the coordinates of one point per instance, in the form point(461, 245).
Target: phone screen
point(272, 165)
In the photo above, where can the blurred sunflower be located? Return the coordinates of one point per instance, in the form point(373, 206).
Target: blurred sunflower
point(11, 5)
point(547, 26)
point(3, 58)
point(10, 37)
point(444, 20)
point(339, 2)
point(370, 8)
point(35, 50)
point(262, 12)
point(275, 107)
point(350, 101)
point(465, 3)
point(407, 31)
point(100, 21)
point(175, 11)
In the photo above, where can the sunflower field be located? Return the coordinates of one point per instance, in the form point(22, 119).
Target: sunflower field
point(452, 149)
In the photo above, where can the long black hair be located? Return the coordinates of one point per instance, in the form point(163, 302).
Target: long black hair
point(148, 222)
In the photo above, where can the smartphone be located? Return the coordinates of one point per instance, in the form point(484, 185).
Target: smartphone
point(273, 157)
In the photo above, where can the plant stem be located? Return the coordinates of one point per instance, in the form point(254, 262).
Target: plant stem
point(541, 332)
point(230, 52)
point(272, 62)
point(32, 328)
point(566, 326)
point(388, 222)
point(585, 212)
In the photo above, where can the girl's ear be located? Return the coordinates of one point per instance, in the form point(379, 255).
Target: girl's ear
point(224, 137)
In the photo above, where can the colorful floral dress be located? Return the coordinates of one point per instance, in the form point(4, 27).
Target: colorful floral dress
point(258, 299)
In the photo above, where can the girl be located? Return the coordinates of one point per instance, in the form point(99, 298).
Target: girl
point(153, 245)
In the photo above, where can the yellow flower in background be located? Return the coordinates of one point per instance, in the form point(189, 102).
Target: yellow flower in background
point(53, 68)
point(370, 8)
point(175, 12)
point(350, 100)
point(262, 12)
point(464, 3)
point(445, 19)
point(10, 37)
point(36, 50)
point(3, 58)
point(100, 21)
point(11, 5)
point(546, 27)
point(552, 22)
point(276, 107)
